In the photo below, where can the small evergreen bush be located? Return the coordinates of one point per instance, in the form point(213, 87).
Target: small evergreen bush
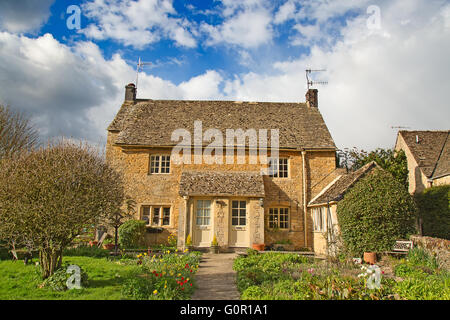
point(131, 233)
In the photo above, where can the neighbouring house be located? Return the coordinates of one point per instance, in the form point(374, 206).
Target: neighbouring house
point(231, 200)
point(428, 156)
point(323, 209)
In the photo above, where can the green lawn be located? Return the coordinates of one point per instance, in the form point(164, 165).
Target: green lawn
point(18, 281)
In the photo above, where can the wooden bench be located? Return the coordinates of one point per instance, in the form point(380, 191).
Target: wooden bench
point(401, 247)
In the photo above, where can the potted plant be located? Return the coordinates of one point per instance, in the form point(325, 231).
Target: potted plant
point(258, 246)
point(108, 244)
point(189, 242)
point(214, 245)
point(370, 257)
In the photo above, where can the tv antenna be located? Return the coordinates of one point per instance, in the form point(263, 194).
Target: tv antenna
point(310, 82)
point(399, 127)
point(139, 68)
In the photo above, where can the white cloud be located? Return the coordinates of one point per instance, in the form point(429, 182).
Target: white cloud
point(136, 23)
point(285, 12)
point(75, 91)
point(395, 76)
point(247, 24)
point(24, 15)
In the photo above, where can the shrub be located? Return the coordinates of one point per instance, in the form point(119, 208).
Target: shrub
point(252, 293)
point(137, 288)
point(189, 240)
point(57, 281)
point(419, 288)
point(375, 212)
point(434, 209)
point(131, 233)
point(419, 257)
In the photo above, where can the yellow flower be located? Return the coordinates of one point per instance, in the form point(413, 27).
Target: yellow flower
point(155, 292)
point(179, 275)
point(145, 254)
point(165, 286)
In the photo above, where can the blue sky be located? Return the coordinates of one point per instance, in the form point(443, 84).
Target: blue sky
point(387, 61)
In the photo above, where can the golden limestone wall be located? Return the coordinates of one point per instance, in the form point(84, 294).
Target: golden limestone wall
point(321, 171)
point(162, 189)
point(417, 180)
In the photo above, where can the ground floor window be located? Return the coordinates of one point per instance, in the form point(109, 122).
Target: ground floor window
point(156, 215)
point(319, 217)
point(279, 218)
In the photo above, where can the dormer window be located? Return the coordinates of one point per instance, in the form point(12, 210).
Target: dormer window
point(159, 164)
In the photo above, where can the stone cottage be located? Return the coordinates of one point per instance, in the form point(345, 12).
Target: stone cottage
point(231, 200)
point(428, 157)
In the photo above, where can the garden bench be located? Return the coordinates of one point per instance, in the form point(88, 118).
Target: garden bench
point(401, 247)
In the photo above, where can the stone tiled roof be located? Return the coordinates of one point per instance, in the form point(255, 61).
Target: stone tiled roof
point(151, 122)
point(335, 190)
point(431, 152)
point(221, 183)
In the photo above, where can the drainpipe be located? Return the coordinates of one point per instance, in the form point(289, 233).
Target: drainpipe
point(305, 225)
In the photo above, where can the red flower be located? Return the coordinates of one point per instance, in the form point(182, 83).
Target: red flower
point(190, 284)
point(182, 278)
point(191, 270)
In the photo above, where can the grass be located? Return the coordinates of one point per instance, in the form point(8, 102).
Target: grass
point(20, 282)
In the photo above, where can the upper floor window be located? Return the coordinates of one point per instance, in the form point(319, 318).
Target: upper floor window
point(159, 164)
point(278, 167)
point(279, 218)
point(319, 215)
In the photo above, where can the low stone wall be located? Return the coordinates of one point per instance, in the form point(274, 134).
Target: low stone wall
point(440, 248)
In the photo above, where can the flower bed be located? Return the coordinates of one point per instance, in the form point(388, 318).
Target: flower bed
point(166, 276)
point(293, 277)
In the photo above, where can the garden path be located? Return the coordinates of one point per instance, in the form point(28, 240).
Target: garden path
point(215, 278)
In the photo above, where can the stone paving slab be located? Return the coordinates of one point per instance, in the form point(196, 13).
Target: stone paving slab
point(215, 278)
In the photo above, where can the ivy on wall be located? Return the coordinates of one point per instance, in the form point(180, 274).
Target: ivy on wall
point(374, 213)
point(434, 211)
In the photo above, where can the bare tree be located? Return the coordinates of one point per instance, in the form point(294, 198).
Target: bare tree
point(47, 197)
point(16, 132)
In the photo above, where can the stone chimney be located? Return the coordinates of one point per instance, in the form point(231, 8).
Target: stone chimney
point(312, 98)
point(130, 92)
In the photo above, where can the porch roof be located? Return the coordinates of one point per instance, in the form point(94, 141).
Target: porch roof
point(221, 183)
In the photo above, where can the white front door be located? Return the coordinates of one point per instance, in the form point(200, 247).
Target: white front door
point(239, 224)
point(202, 224)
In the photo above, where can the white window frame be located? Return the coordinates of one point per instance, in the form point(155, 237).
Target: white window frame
point(239, 208)
point(203, 210)
point(277, 173)
point(161, 163)
point(151, 216)
point(277, 220)
point(320, 219)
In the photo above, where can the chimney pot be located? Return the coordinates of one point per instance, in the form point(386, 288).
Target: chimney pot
point(130, 92)
point(312, 98)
